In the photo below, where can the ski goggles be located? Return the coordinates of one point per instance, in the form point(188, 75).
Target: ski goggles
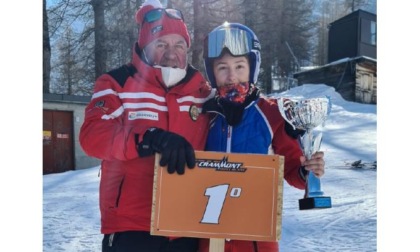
point(238, 41)
point(156, 14)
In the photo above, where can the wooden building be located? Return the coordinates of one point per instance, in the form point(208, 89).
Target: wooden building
point(62, 118)
point(352, 36)
point(353, 78)
point(351, 67)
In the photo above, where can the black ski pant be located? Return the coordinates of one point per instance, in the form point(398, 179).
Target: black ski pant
point(141, 241)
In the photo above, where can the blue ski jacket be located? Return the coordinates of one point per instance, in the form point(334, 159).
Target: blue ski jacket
point(261, 131)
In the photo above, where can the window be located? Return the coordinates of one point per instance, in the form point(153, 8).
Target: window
point(368, 32)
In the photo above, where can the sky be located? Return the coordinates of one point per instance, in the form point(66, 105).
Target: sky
point(71, 218)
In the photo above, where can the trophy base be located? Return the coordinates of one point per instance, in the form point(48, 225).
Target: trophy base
point(314, 203)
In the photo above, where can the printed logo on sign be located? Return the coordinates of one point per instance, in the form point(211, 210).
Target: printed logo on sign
point(147, 115)
point(221, 165)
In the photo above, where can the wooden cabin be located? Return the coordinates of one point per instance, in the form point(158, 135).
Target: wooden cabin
point(353, 78)
point(351, 67)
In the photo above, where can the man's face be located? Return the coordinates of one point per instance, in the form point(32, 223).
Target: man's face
point(168, 51)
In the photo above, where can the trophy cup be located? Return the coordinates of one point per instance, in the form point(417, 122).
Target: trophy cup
point(306, 115)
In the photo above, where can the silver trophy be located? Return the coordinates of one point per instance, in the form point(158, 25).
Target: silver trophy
point(306, 115)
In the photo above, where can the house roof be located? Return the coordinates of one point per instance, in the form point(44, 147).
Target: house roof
point(357, 13)
point(341, 61)
point(63, 98)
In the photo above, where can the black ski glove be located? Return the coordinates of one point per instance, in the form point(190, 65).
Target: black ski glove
point(175, 150)
point(294, 133)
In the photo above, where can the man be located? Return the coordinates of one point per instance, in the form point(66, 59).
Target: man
point(150, 105)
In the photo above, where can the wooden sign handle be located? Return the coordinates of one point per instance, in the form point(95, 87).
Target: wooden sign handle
point(217, 245)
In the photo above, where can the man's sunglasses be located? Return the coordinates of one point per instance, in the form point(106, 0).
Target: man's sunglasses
point(156, 14)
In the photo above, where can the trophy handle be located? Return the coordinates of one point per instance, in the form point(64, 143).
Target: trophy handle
point(286, 109)
point(317, 142)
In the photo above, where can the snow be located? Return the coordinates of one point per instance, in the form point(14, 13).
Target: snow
point(71, 218)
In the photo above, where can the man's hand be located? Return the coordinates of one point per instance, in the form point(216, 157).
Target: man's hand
point(175, 150)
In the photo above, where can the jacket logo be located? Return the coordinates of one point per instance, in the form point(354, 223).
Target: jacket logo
point(100, 104)
point(156, 29)
point(220, 165)
point(194, 112)
point(146, 115)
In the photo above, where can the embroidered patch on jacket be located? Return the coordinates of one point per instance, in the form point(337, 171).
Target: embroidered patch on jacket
point(194, 112)
point(100, 104)
point(147, 115)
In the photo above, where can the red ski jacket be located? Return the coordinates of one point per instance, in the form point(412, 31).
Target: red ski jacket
point(128, 101)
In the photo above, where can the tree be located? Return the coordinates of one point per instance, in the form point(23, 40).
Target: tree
point(66, 66)
point(298, 32)
point(100, 36)
point(122, 32)
point(198, 34)
point(102, 33)
point(46, 56)
point(263, 18)
point(353, 5)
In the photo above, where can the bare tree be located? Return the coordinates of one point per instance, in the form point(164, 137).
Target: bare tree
point(103, 33)
point(201, 16)
point(100, 36)
point(199, 32)
point(122, 32)
point(71, 24)
point(66, 65)
point(299, 33)
point(353, 5)
point(267, 25)
point(46, 59)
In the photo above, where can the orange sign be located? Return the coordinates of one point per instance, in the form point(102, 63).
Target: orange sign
point(226, 195)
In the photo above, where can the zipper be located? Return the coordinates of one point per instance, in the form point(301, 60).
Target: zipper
point(229, 139)
point(119, 192)
point(110, 239)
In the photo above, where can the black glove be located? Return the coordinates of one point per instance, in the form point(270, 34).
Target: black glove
point(175, 150)
point(294, 133)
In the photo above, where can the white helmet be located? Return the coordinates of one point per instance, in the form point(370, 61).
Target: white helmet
point(239, 40)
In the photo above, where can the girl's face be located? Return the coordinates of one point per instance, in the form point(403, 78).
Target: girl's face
point(229, 70)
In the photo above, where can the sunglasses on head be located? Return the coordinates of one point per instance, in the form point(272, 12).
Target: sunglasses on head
point(156, 14)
